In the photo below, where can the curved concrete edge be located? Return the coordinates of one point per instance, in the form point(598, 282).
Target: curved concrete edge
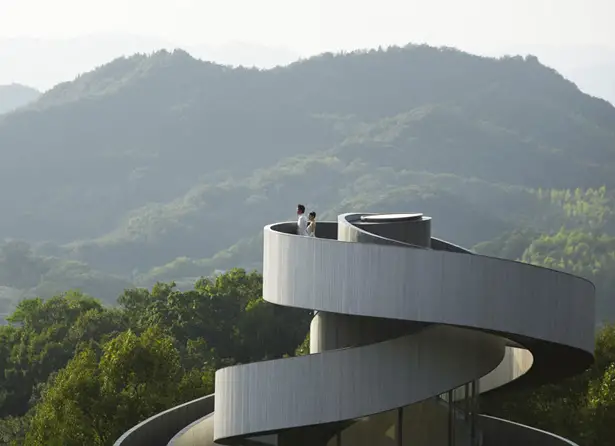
point(508, 433)
point(509, 372)
point(515, 364)
point(333, 331)
point(350, 228)
point(341, 385)
point(160, 428)
point(442, 245)
point(517, 361)
point(437, 244)
point(429, 286)
point(200, 432)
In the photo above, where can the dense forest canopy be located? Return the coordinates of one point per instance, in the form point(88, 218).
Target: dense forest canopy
point(75, 372)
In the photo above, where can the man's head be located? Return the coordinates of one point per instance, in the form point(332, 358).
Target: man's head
point(300, 209)
point(312, 216)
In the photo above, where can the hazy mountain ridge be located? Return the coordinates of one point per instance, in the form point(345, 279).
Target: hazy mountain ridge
point(15, 96)
point(38, 57)
point(156, 164)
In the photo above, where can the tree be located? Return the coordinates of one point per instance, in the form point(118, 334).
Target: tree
point(94, 401)
point(226, 311)
point(47, 336)
point(581, 408)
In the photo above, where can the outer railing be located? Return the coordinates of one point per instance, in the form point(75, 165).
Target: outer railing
point(498, 432)
point(161, 428)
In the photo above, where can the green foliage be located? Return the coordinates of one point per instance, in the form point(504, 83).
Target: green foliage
point(227, 311)
point(581, 408)
point(591, 208)
point(304, 348)
point(581, 253)
point(575, 233)
point(13, 430)
point(601, 406)
point(45, 338)
point(73, 372)
point(93, 401)
point(509, 246)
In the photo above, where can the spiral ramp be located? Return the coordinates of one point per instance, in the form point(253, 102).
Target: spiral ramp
point(408, 330)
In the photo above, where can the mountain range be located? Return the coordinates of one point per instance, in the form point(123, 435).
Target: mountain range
point(166, 167)
point(15, 95)
point(33, 61)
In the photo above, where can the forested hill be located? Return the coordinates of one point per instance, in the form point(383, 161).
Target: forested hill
point(14, 96)
point(164, 167)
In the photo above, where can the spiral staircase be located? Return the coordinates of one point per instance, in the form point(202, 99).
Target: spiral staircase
point(408, 331)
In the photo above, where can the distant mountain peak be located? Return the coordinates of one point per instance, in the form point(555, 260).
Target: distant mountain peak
point(14, 96)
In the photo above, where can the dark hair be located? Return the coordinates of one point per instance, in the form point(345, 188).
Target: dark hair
point(301, 208)
point(313, 214)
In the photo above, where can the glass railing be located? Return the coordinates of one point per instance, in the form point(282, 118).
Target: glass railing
point(433, 422)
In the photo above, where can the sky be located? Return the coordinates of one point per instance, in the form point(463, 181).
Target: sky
point(316, 25)
point(286, 29)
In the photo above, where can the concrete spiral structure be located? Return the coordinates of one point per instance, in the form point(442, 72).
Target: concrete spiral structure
point(408, 330)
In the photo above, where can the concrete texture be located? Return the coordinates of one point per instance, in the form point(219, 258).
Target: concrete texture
point(160, 428)
point(401, 318)
point(366, 274)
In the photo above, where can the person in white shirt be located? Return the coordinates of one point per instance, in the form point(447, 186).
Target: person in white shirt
point(301, 221)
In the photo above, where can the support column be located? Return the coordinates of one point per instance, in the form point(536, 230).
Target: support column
point(399, 427)
point(474, 415)
point(451, 420)
point(466, 402)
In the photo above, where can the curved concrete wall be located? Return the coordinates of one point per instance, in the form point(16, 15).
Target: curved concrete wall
point(350, 383)
point(374, 276)
point(401, 318)
point(416, 232)
point(395, 282)
point(159, 429)
point(199, 432)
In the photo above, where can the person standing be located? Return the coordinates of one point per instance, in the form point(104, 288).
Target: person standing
point(301, 221)
point(311, 228)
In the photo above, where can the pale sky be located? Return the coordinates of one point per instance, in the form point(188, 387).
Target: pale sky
point(315, 25)
point(577, 37)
